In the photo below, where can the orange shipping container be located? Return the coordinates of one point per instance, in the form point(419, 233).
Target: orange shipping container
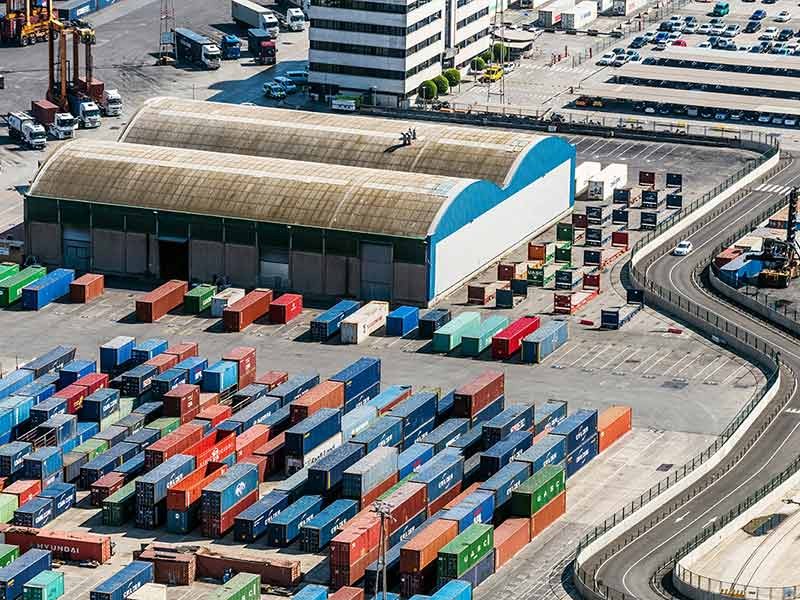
point(347, 593)
point(163, 362)
point(208, 399)
point(242, 313)
point(87, 287)
point(378, 490)
point(328, 394)
point(247, 442)
point(151, 307)
point(473, 488)
point(422, 550)
point(437, 505)
point(612, 424)
point(510, 537)
point(272, 379)
point(548, 514)
point(183, 351)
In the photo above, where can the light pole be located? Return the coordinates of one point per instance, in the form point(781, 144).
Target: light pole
point(384, 511)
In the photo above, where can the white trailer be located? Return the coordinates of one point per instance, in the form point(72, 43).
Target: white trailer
point(580, 16)
point(254, 16)
point(366, 320)
point(602, 185)
point(550, 14)
point(223, 299)
point(583, 173)
point(604, 6)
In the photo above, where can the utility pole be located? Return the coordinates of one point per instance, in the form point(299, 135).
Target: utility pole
point(384, 511)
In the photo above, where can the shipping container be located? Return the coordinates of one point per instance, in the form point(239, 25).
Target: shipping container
point(221, 300)
point(581, 456)
point(63, 496)
point(151, 488)
point(360, 380)
point(242, 313)
point(465, 551)
point(245, 359)
point(252, 522)
point(143, 438)
point(546, 515)
point(446, 434)
point(172, 443)
point(471, 398)
point(14, 576)
point(369, 472)
point(414, 412)
point(147, 349)
point(311, 592)
point(612, 424)
point(508, 341)
point(285, 526)
point(317, 533)
point(8, 504)
point(328, 394)
point(11, 457)
point(433, 320)
point(62, 545)
point(113, 435)
point(402, 321)
point(154, 305)
point(537, 491)
point(8, 554)
point(311, 432)
point(87, 287)
point(470, 443)
point(548, 415)
point(51, 360)
point(42, 463)
point(449, 336)
point(168, 380)
point(385, 431)
point(294, 387)
point(347, 593)
point(547, 339)
point(440, 474)
point(198, 299)
point(99, 405)
point(577, 428)
point(138, 380)
point(477, 574)
point(386, 400)
point(11, 287)
point(549, 450)
point(47, 585)
point(602, 185)
point(123, 583)
point(105, 463)
point(503, 483)
point(356, 327)
point(510, 537)
point(478, 507)
point(39, 389)
point(220, 377)
point(73, 371)
point(327, 324)
point(411, 459)
point(38, 294)
point(517, 417)
point(226, 491)
point(500, 454)
point(325, 476)
point(194, 368)
point(285, 308)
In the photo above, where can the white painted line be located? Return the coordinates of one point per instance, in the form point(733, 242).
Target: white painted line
point(627, 358)
point(724, 363)
point(732, 377)
point(571, 346)
point(689, 364)
point(668, 352)
point(584, 354)
point(676, 363)
point(699, 374)
point(653, 151)
point(615, 357)
point(668, 153)
point(644, 362)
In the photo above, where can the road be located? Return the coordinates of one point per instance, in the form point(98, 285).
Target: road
point(630, 570)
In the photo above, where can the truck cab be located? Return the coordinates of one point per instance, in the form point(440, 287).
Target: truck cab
point(269, 23)
point(111, 103)
point(231, 47)
point(63, 126)
point(295, 19)
point(261, 47)
point(23, 127)
point(85, 111)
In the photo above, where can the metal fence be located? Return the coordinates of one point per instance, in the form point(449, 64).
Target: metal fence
point(712, 324)
point(773, 303)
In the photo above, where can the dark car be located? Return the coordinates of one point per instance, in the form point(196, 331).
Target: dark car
point(785, 34)
point(752, 27)
point(638, 42)
point(758, 15)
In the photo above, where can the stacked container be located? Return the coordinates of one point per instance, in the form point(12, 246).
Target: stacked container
point(517, 417)
point(366, 320)
point(183, 498)
point(548, 415)
point(252, 522)
point(442, 476)
point(503, 483)
point(47, 585)
point(418, 414)
point(463, 557)
point(580, 431)
point(226, 497)
point(471, 399)
point(151, 490)
point(361, 381)
point(285, 526)
point(325, 476)
point(14, 576)
point(317, 533)
point(120, 585)
point(245, 359)
point(327, 324)
point(328, 394)
point(371, 476)
point(418, 556)
point(501, 453)
point(312, 438)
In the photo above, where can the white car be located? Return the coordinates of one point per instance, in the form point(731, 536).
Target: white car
point(704, 29)
point(770, 33)
point(717, 29)
point(704, 45)
point(607, 59)
point(683, 248)
point(691, 28)
point(783, 17)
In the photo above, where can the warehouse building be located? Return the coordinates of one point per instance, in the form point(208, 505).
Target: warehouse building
point(359, 216)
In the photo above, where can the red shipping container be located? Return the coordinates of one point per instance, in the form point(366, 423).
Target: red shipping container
point(612, 424)
point(511, 536)
point(260, 462)
point(87, 287)
point(423, 549)
point(24, 489)
point(163, 362)
point(349, 574)
point(471, 398)
point(359, 537)
point(347, 593)
point(245, 357)
point(218, 525)
point(275, 453)
point(272, 379)
point(328, 394)
point(172, 444)
point(151, 307)
point(181, 399)
point(473, 488)
point(378, 491)
point(208, 399)
point(285, 308)
point(105, 486)
point(64, 545)
point(93, 382)
point(44, 111)
point(183, 350)
point(547, 514)
point(4, 481)
point(252, 438)
point(169, 567)
point(438, 504)
point(213, 448)
point(506, 343)
point(276, 571)
point(190, 416)
point(74, 395)
point(405, 503)
point(242, 313)
point(580, 220)
point(216, 413)
point(189, 489)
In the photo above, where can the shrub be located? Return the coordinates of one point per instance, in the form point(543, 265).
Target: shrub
point(427, 89)
point(453, 77)
point(478, 64)
point(442, 87)
point(500, 53)
point(486, 57)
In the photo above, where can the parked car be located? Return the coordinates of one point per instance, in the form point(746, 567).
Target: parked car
point(675, 35)
point(287, 84)
point(736, 115)
point(786, 34)
point(777, 120)
point(770, 33)
point(768, 1)
point(607, 59)
point(681, 43)
point(718, 30)
point(783, 17)
point(721, 114)
point(764, 118)
point(649, 36)
point(732, 30)
point(690, 19)
point(273, 89)
point(662, 37)
point(752, 26)
point(704, 29)
point(790, 121)
point(705, 45)
point(691, 28)
point(638, 42)
point(758, 15)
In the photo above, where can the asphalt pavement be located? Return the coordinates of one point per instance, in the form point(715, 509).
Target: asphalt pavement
point(630, 570)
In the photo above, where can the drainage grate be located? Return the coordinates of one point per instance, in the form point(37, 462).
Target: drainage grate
point(665, 467)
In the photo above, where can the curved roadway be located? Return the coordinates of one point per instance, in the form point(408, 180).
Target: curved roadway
point(630, 570)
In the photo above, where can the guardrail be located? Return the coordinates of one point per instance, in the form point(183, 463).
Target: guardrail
point(755, 349)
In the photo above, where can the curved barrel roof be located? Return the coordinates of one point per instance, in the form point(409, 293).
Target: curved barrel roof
point(358, 141)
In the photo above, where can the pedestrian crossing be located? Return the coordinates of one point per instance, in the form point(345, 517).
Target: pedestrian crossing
point(563, 69)
point(774, 189)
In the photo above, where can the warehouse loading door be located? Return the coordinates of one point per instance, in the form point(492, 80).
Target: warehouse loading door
point(376, 271)
point(77, 248)
point(173, 259)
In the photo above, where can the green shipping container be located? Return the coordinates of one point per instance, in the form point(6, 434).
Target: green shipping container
point(119, 507)
point(165, 425)
point(11, 287)
point(541, 276)
point(448, 337)
point(199, 298)
point(8, 269)
point(565, 232)
point(8, 553)
point(244, 586)
point(537, 491)
point(126, 404)
point(473, 345)
point(92, 448)
point(564, 253)
point(47, 585)
point(110, 420)
point(8, 504)
point(464, 552)
point(396, 486)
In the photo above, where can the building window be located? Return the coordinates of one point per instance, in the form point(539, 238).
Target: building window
point(371, 6)
point(463, 3)
point(372, 28)
point(76, 214)
point(108, 217)
point(173, 225)
point(356, 71)
point(206, 228)
point(373, 50)
point(423, 65)
point(306, 239)
point(472, 39)
point(472, 18)
point(273, 236)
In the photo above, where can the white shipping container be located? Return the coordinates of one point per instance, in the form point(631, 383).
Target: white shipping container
point(150, 591)
point(295, 463)
point(602, 186)
point(220, 301)
point(583, 173)
point(550, 14)
point(366, 320)
point(604, 6)
point(579, 17)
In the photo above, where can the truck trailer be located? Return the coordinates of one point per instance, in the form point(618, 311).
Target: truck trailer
point(251, 15)
point(602, 185)
point(23, 127)
point(196, 49)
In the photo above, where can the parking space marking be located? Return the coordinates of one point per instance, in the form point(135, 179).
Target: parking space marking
point(631, 148)
point(710, 375)
point(627, 358)
point(572, 346)
point(679, 361)
point(699, 374)
point(653, 151)
point(668, 153)
point(615, 357)
point(666, 354)
point(572, 364)
point(732, 377)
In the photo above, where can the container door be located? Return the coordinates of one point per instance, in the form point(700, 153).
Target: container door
point(274, 268)
point(376, 271)
point(77, 248)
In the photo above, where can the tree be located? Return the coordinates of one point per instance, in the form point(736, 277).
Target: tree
point(427, 89)
point(486, 57)
point(442, 87)
point(453, 77)
point(478, 64)
point(500, 52)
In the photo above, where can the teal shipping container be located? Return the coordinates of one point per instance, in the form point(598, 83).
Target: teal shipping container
point(448, 337)
point(473, 345)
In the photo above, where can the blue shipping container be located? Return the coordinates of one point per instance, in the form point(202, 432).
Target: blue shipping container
point(251, 523)
point(144, 351)
point(478, 507)
point(144, 437)
point(321, 529)
point(490, 411)
point(285, 527)
point(471, 442)
point(228, 489)
point(249, 394)
point(413, 458)
point(257, 412)
point(15, 575)
point(544, 341)
point(20, 407)
point(220, 376)
point(402, 321)
point(151, 487)
point(505, 481)
point(362, 398)
point(358, 420)
point(63, 496)
point(440, 474)
point(327, 324)
point(126, 581)
point(581, 456)
point(388, 397)
point(36, 512)
point(444, 405)
point(407, 529)
point(280, 420)
point(42, 463)
point(501, 453)
point(415, 411)
point(419, 434)
point(312, 431)
point(71, 372)
point(63, 427)
point(41, 412)
point(326, 474)
point(132, 467)
point(72, 10)
point(548, 415)
point(194, 367)
point(116, 352)
point(11, 457)
point(431, 321)
point(358, 378)
point(14, 381)
point(578, 427)
point(99, 405)
point(385, 431)
point(45, 290)
point(294, 386)
point(294, 486)
point(550, 450)
point(150, 410)
point(454, 590)
point(312, 592)
point(40, 389)
point(446, 433)
point(517, 417)
point(53, 359)
point(168, 380)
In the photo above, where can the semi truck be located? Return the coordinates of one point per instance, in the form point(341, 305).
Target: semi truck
point(111, 103)
point(231, 47)
point(24, 128)
point(261, 47)
point(60, 125)
point(295, 19)
point(196, 49)
point(85, 110)
point(251, 15)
